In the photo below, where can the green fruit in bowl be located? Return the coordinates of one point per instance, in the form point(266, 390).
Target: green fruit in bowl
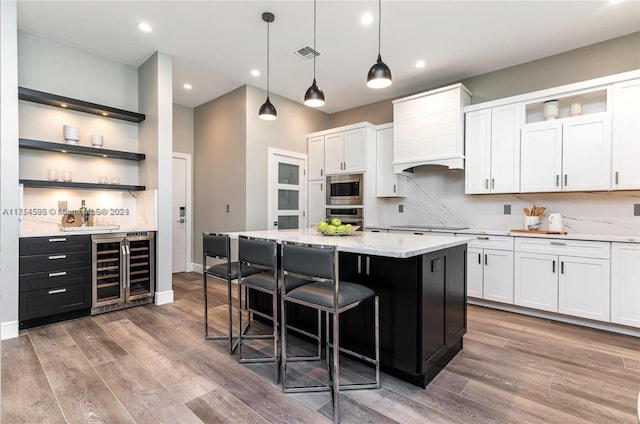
point(336, 222)
point(323, 224)
point(330, 229)
point(349, 227)
point(342, 229)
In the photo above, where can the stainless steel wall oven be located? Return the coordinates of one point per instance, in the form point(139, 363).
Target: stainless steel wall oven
point(344, 189)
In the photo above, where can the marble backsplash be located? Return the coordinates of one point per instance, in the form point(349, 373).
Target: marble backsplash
point(435, 196)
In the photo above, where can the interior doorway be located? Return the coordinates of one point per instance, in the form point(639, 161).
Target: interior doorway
point(182, 214)
point(287, 198)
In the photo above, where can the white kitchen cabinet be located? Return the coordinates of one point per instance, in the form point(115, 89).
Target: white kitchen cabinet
point(490, 268)
point(567, 276)
point(388, 184)
point(626, 135)
point(536, 281)
point(315, 150)
point(492, 143)
point(428, 128)
point(316, 202)
point(625, 284)
point(572, 154)
point(345, 152)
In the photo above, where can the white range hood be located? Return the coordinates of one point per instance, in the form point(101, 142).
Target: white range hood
point(428, 128)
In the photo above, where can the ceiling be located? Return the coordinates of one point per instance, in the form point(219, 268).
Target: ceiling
point(215, 44)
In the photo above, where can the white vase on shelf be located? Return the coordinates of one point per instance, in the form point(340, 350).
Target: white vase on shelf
point(71, 134)
point(575, 109)
point(550, 109)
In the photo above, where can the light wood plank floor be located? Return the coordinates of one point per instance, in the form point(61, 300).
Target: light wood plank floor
point(150, 364)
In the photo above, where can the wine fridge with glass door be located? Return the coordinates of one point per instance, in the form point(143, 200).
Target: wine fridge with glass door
point(123, 270)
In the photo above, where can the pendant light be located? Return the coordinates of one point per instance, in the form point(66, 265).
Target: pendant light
point(268, 110)
point(379, 75)
point(314, 97)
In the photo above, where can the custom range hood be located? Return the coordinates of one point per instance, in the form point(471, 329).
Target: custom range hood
point(428, 128)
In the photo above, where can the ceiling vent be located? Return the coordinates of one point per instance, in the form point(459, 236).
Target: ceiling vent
point(306, 53)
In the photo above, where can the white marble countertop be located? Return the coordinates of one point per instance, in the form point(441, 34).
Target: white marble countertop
point(500, 232)
point(364, 242)
point(85, 231)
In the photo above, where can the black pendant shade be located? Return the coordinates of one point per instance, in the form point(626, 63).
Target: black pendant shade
point(314, 97)
point(379, 75)
point(267, 111)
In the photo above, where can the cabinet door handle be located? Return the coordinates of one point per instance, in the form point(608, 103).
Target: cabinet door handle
point(359, 264)
point(367, 265)
point(321, 173)
point(561, 267)
point(57, 291)
point(321, 187)
point(479, 258)
point(485, 259)
point(493, 183)
point(559, 243)
point(57, 274)
point(565, 180)
point(557, 180)
point(482, 238)
point(53, 240)
point(54, 257)
point(394, 188)
point(486, 183)
point(553, 267)
point(617, 177)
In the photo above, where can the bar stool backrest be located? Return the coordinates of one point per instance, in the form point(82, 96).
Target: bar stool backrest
point(309, 260)
point(258, 252)
point(216, 245)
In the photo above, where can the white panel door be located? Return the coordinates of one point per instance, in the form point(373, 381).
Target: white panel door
point(316, 204)
point(179, 215)
point(625, 284)
point(498, 276)
point(287, 190)
point(584, 287)
point(626, 135)
point(474, 272)
point(477, 151)
point(315, 150)
point(536, 281)
point(505, 149)
point(541, 157)
point(355, 150)
point(586, 152)
point(333, 153)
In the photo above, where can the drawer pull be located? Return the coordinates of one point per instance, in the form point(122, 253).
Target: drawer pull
point(418, 233)
point(57, 291)
point(53, 240)
point(57, 274)
point(51, 258)
point(559, 243)
point(483, 238)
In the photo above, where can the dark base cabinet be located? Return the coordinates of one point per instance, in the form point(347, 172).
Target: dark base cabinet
point(55, 279)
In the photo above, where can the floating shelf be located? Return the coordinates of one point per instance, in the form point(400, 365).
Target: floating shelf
point(78, 105)
point(26, 143)
point(80, 186)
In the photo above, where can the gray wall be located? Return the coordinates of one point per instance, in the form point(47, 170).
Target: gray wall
point(601, 59)
point(182, 129)
point(219, 164)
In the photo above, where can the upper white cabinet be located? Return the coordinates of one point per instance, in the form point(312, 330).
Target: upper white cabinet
point(492, 149)
point(315, 146)
point(625, 284)
point(626, 135)
point(541, 153)
point(388, 184)
point(428, 128)
point(345, 152)
point(334, 153)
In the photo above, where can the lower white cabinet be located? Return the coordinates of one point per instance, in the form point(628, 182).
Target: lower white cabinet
point(567, 276)
point(625, 284)
point(490, 269)
point(316, 202)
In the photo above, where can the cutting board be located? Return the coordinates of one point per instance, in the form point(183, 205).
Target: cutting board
point(537, 231)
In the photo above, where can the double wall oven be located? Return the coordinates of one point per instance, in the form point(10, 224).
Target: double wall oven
point(123, 270)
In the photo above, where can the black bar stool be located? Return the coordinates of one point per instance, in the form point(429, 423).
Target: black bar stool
point(325, 292)
point(217, 246)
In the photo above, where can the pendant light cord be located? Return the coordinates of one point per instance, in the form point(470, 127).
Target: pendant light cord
point(315, 52)
point(268, 25)
point(379, 24)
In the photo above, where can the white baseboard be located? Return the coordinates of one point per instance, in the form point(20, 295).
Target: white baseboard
point(164, 297)
point(196, 268)
point(189, 267)
point(10, 330)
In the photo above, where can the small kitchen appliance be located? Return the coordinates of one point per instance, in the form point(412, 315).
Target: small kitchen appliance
point(344, 189)
point(555, 223)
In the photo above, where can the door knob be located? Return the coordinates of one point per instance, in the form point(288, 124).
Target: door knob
point(181, 220)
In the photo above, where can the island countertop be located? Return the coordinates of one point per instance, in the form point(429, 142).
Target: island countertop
point(364, 242)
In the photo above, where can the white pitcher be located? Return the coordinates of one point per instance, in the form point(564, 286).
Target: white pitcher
point(555, 222)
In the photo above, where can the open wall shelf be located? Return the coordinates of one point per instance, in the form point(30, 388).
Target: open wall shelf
point(78, 105)
point(80, 186)
point(47, 146)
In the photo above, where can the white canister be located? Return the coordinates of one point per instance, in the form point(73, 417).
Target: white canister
point(555, 223)
point(551, 109)
point(575, 109)
point(97, 140)
point(531, 223)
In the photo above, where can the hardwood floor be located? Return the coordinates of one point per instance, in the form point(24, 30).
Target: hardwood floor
point(151, 364)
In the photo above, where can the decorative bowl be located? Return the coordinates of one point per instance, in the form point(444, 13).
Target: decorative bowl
point(331, 230)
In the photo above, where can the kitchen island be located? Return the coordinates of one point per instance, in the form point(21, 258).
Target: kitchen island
point(421, 281)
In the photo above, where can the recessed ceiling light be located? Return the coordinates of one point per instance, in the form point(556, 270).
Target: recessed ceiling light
point(144, 27)
point(255, 73)
point(366, 19)
point(63, 105)
point(187, 86)
point(420, 64)
point(105, 114)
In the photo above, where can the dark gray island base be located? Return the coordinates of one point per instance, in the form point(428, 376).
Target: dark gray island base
point(423, 310)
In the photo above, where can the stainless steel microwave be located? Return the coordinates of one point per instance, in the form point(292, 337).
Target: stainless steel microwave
point(344, 189)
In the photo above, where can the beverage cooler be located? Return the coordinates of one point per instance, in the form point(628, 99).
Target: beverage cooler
point(123, 270)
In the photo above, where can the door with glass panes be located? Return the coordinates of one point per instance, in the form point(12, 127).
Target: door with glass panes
point(287, 196)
